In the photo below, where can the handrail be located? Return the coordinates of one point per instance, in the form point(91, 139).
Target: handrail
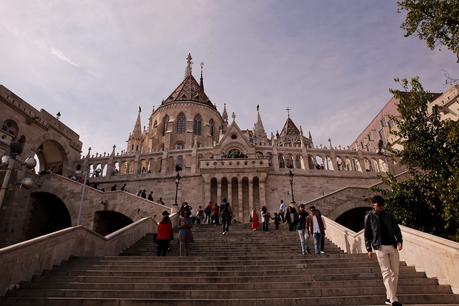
point(23, 260)
point(109, 191)
point(436, 256)
point(352, 187)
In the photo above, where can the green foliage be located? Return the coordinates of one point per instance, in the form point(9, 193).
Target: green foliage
point(435, 21)
point(429, 200)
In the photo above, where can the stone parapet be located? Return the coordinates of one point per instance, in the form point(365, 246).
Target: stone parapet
point(436, 256)
point(234, 163)
point(21, 261)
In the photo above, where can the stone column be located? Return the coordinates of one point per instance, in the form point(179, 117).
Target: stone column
point(219, 190)
point(230, 192)
point(262, 191)
point(239, 198)
point(207, 191)
point(250, 194)
point(164, 164)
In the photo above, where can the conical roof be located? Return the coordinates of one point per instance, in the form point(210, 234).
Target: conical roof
point(289, 129)
point(188, 90)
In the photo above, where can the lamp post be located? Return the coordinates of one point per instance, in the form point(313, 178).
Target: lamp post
point(290, 177)
point(83, 190)
point(16, 147)
point(178, 168)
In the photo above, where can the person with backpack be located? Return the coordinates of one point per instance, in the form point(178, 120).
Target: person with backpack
point(225, 212)
point(207, 212)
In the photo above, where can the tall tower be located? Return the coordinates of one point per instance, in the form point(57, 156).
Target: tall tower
point(135, 140)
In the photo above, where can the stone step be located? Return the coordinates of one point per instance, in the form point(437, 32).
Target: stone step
point(294, 272)
point(323, 300)
point(219, 278)
point(203, 267)
point(403, 282)
point(228, 294)
point(242, 268)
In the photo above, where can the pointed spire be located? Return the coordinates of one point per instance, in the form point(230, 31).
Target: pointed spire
point(225, 114)
point(137, 132)
point(202, 79)
point(113, 151)
point(259, 129)
point(188, 69)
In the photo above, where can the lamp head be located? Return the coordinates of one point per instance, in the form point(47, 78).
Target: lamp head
point(5, 159)
point(30, 162)
point(27, 183)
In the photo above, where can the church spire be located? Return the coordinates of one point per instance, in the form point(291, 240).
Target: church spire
point(259, 130)
point(188, 68)
point(137, 132)
point(225, 114)
point(202, 79)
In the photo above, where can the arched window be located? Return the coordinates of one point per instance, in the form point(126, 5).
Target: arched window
point(11, 127)
point(212, 128)
point(179, 145)
point(197, 125)
point(165, 124)
point(180, 124)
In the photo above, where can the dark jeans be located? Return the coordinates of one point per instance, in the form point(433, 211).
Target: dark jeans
point(226, 224)
point(317, 237)
point(277, 225)
point(207, 220)
point(282, 215)
point(265, 226)
point(163, 246)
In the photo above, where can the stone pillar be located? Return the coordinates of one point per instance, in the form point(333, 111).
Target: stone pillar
point(207, 191)
point(275, 159)
point(230, 192)
point(137, 164)
point(262, 191)
point(239, 198)
point(219, 190)
point(164, 163)
point(250, 194)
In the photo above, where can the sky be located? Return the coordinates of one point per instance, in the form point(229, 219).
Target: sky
point(95, 62)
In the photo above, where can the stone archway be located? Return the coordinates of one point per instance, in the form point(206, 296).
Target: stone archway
point(354, 218)
point(51, 156)
point(108, 221)
point(48, 214)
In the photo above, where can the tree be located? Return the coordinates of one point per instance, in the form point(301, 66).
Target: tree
point(435, 21)
point(429, 199)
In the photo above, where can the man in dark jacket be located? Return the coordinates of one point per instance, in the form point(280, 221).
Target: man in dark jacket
point(383, 235)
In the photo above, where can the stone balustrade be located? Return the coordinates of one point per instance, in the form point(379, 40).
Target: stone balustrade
point(23, 260)
point(436, 256)
point(234, 163)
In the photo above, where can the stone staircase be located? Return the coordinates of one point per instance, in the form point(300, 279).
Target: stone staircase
point(240, 268)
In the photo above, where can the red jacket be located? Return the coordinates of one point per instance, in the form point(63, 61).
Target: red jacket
point(164, 231)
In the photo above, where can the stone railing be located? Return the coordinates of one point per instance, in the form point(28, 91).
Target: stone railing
point(233, 163)
point(21, 261)
point(436, 256)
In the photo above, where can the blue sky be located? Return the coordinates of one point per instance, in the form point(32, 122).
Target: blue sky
point(331, 62)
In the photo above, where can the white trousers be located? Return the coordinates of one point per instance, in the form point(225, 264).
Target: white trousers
point(389, 262)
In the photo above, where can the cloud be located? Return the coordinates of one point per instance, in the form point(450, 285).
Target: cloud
point(60, 55)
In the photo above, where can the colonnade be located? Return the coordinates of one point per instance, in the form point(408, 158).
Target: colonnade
point(244, 193)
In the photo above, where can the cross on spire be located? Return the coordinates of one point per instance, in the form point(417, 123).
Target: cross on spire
point(288, 109)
